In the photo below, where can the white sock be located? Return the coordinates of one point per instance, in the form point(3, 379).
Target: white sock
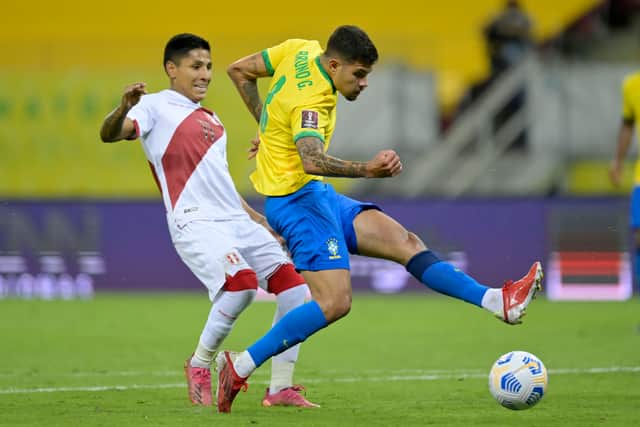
point(202, 357)
point(244, 365)
point(281, 375)
point(283, 364)
point(224, 312)
point(492, 300)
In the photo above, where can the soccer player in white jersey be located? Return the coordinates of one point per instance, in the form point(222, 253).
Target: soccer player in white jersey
point(226, 244)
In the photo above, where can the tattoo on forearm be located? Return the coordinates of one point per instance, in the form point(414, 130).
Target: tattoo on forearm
point(252, 98)
point(311, 151)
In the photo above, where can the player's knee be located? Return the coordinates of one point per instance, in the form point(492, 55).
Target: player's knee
point(415, 243)
point(284, 278)
point(344, 305)
point(337, 307)
point(241, 281)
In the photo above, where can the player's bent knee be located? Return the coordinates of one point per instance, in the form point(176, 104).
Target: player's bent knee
point(285, 277)
point(336, 308)
point(241, 281)
point(415, 242)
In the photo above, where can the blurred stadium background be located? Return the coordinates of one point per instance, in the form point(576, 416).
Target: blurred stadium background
point(93, 322)
point(78, 216)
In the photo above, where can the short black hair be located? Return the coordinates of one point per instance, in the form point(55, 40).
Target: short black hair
point(352, 44)
point(180, 45)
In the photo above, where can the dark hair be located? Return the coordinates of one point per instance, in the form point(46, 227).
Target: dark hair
point(181, 44)
point(352, 44)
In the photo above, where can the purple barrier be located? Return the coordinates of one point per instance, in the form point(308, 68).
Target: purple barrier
point(53, 249)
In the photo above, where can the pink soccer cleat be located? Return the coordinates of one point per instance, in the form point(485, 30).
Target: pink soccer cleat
point(290, 396)
point(229, 383)
point(199, 383)
point(516, 296)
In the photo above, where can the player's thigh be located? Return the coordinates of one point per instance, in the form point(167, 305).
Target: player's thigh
point(371, 232)
point(381, 236)
point(209, 249)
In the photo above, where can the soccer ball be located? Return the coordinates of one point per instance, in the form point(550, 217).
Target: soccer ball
point(518, 380)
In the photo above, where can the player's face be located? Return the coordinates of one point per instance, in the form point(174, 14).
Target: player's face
point(351, 79)
point(191, 77)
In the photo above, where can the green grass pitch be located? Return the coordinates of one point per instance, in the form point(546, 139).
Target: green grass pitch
point(394, 361)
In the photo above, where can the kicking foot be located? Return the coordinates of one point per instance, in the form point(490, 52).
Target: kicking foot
point(516, 296)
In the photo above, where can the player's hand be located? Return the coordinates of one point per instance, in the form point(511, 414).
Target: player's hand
point(255, 145)
point(385, 164)
point(615, 174)
point(132, 94)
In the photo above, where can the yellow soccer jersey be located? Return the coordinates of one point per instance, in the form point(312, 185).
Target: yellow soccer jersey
point(631, 108)
point(301, 102)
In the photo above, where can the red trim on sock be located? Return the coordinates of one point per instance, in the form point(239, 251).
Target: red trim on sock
point(285, 277)
point(241, 281)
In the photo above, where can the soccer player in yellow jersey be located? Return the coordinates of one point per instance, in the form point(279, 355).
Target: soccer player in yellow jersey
point(321, 227)
point(630, 112)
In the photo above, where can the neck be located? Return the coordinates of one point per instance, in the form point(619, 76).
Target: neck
point(324, 61)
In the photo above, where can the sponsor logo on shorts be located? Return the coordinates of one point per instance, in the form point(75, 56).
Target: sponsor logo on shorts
point(309, 119)
point(332, 247)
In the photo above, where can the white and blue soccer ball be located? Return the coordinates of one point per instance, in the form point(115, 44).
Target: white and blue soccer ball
point(518, 380)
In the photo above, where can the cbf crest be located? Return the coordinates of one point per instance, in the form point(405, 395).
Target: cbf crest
point(332, 247)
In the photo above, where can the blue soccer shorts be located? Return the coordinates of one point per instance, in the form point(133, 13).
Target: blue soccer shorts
point(317, 224)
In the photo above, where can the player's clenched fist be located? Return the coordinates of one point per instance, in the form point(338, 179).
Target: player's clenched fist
point(132, 94)
point(385, 164)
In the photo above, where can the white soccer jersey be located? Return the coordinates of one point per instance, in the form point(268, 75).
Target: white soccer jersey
point(186, 146)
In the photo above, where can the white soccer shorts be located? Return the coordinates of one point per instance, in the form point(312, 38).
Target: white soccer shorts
point(215, 249)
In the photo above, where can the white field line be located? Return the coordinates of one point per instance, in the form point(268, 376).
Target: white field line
point(425, 376)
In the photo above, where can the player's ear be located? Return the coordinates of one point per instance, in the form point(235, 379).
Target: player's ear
point(333, 65)
point(171, 69)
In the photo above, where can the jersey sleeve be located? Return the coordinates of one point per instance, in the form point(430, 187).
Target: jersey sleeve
point(309, 121)
point(274, 55)
point(142, 116)
point(628, 115)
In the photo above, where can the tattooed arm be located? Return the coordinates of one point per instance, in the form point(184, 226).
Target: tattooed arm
point(316, 162)
point(116, 125)
point(244, 73)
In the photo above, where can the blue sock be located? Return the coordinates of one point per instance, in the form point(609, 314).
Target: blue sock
point(445, 278)
point(294, 327)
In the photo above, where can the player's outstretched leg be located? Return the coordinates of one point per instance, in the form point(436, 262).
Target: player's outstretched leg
point(199, 384)
point(517, 295)
point(229, 382)
point(508, 303)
